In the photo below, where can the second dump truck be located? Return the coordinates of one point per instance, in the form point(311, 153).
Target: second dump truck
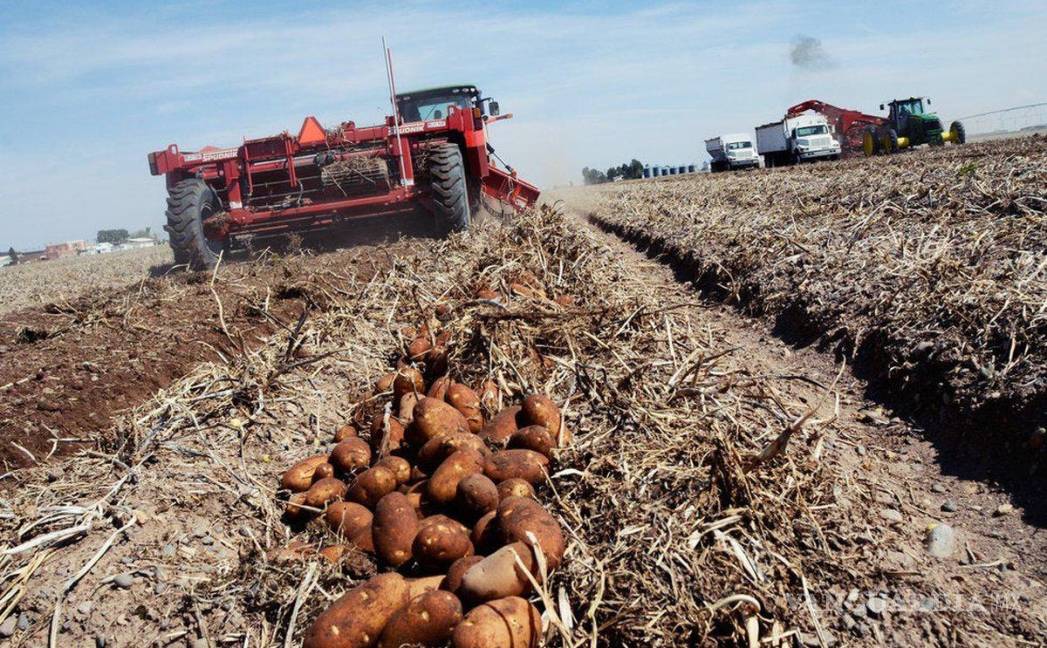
point(729, 152)
point(802, 138)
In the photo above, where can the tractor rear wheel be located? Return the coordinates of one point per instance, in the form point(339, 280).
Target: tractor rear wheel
point(450, 188)
point(870, 143)
point(189, 204)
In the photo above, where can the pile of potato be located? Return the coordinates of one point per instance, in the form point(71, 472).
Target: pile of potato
point(444, 499)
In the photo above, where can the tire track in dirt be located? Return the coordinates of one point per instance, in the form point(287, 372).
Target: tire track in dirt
point(892, 480)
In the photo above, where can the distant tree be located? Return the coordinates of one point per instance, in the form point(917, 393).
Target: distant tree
point(14, 255)
point(635, 170)
point(613, 173)
point(142, 233)
point(593, 176)
point(114, 236)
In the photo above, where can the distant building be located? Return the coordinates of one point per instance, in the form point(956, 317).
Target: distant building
point(59, 250)
point(99, 248)
point(134, 243)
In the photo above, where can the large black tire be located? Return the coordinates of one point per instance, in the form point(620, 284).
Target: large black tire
point(889, 144)
point(189, 203)
point(961, 132)
point(450, 189)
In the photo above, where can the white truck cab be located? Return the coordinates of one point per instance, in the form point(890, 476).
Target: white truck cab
point(733, 151)
point(797, 139)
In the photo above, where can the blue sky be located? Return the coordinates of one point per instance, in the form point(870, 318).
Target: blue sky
point(87, 90)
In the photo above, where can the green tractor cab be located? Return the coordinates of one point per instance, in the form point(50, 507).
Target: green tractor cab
point(907, 125)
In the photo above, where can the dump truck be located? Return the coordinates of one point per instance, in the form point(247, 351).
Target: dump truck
point(796, 139)
point(908, 125)
point(733, 151)
point(431, 156)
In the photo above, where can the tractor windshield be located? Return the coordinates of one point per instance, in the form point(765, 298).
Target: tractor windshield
point(805, 131)
point(914, 107)
point(421, 106)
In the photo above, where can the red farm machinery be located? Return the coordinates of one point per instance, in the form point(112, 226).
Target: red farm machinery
point(432, 155)
point(850, 125)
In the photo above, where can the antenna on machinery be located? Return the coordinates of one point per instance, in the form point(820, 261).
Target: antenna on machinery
point(390, 78)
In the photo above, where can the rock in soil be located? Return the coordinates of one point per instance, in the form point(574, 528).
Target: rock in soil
point(950, 506)
point(941, 541)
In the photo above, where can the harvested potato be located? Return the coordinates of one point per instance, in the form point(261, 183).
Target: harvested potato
point(351, 455)
point(394, 528)
point(533, 437)
point(418, 347)
point(419, 586)
point(466, 401)
point(385, 383)
point(433, 418)
point(440, 518)
point(477, 495)
point(515, 487)
point(518, 516)
point(428, 620)
point(347, 518)
point(453, 580)
point(523, 464)
point(323, 471)
point(372, 485)
point(443, 485)
point(441, 543)
point(528, 292)
point(405, 412)
point(357, 618)
point(539, 409)
point(498, 575)
point(501, 427)
point(564, 300)
point(345, 432)
point(486, 535)
point(387, 434)
point(436, 450)
point(400, 467)
point(299, 477)
point(294, 508)
point(438, 389)
point(487, 293)
point(325, 491)
point(407, 380)
point(504, 623)
point(334, 553)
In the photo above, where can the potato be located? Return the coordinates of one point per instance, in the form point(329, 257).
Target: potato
point(299, 477)
point(418, 347)
point(294, 551)
point(453, 580)
point(405, 412)
point(523, 464)
point(351, 455)
point(477, 494)
point(486, 293)
point(441, 543)
point(400, 467)
point(486, 535)
point(522, 290)
point(539, 409)
point(385, 383)
point(325, 491)
point(294, 508)
point(498, 575)
point(363, 540)
point(394, 528)
point(443, 485)
point(345, 432)
point(357, 618)
point(466, 401)
point(372, 485)
point(518, 516)
point(501, 427)
point(347, 518)
point(433, 418)
point(564, 300)
point(334, 553)
point(440, 518)
point(436, 359)
point(533, 437)
point(408, 380)
point(438, 389)
point(510, 622)
point(387, 435)
point(323, 471)
point(427, 620)
point(515, 487)
point(439, 448)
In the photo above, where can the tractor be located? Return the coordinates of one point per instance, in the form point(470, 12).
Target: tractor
point(907, 125)
point(431, 156)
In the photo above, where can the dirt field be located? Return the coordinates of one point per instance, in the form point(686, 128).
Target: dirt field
point(724, 486)
point(44, 282)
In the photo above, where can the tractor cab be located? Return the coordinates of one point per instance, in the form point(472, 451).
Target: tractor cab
point(901, 110)
point(433, 103)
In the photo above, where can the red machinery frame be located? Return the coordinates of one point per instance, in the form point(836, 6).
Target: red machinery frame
point(232, 172)
point(850, 124)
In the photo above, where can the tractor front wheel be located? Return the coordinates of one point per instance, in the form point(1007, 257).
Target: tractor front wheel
point(890, 141)
point(958, 133)
point(450, 188)
point(189, 204)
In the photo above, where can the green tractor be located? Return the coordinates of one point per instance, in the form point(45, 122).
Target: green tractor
point(907, 125)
